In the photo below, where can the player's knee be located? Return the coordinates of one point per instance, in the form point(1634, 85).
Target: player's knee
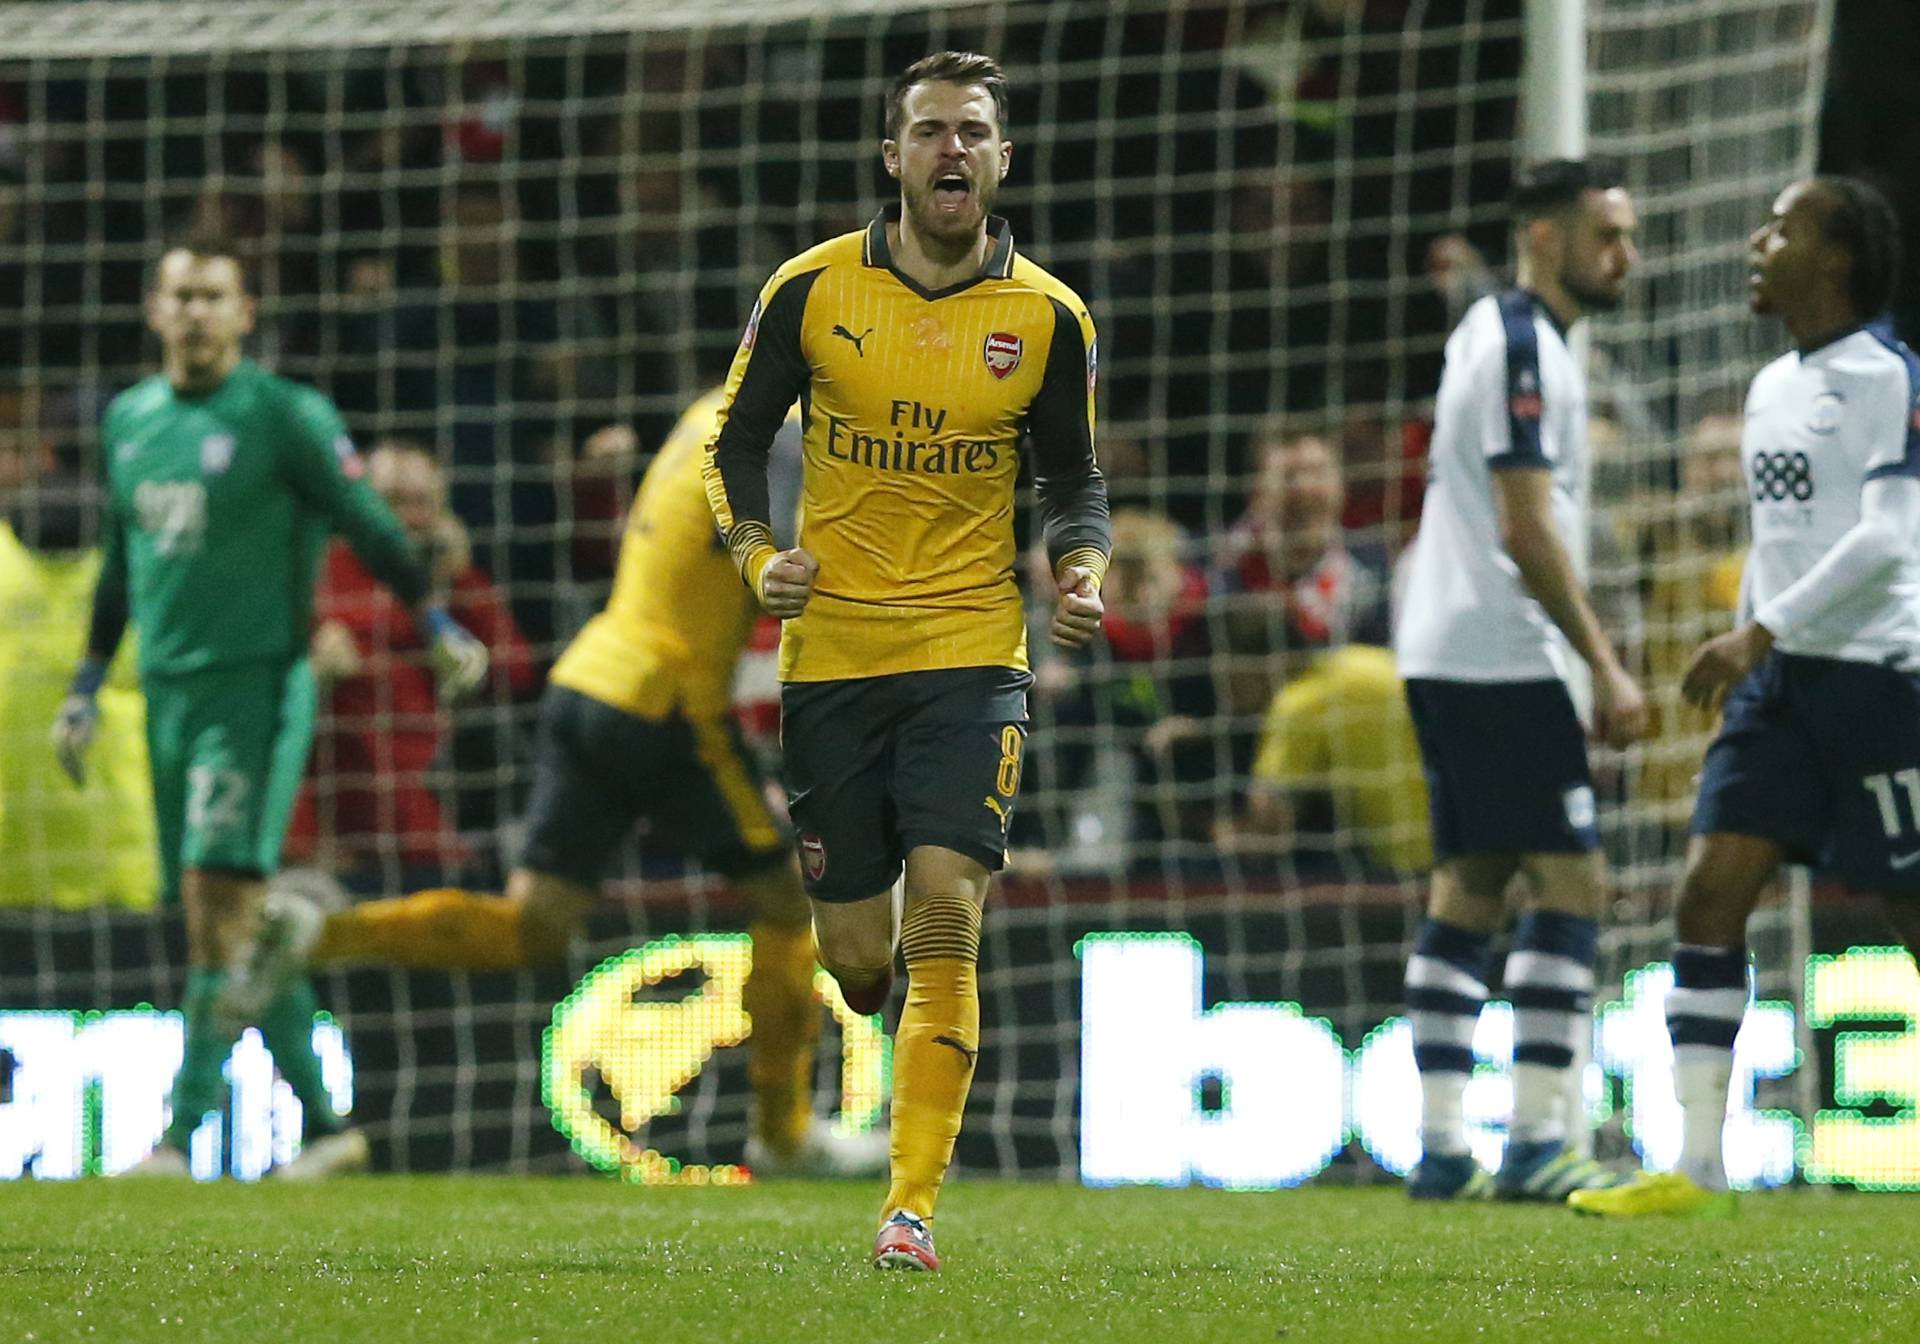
point(855, 943)
point(1467, 897)
point(1711, 908)
point(1567, 884)
point(857, 956)
point(1704, 890)
point(941, 925)
point(222, 912)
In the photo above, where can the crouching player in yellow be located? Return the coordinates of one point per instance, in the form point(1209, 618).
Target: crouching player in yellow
point(636, 723)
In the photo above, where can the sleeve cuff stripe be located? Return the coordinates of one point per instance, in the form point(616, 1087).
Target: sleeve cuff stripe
point(1518, 458)
point(1089, 558)
point(750, 542)
point(1907, 466)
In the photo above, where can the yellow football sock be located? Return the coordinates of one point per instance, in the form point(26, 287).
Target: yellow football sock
point(443, 929)
point(786, 1027)
point(934, 1048)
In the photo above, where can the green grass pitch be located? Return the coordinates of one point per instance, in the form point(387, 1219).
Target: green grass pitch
point(482, 1259)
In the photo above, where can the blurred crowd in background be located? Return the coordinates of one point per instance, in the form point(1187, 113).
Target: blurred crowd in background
point(513, 267)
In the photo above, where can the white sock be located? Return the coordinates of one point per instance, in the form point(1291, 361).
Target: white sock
point(1704, 1010)
point(1446, 987)
point(1443, 1121)
point(1539, 1103)
point(1549, 980)
point(1702, 1077)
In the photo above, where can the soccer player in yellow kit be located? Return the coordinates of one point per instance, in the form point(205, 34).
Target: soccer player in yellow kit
point(636, 722)
point(923, 349)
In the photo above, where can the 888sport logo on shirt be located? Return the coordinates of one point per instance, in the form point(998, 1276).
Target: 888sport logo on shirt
point(1778, 477)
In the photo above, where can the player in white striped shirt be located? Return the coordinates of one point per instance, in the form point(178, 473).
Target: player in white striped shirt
point(1818, 755)
point(1489, 582)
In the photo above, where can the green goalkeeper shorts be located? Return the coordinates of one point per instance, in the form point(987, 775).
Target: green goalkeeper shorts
point(228, 746)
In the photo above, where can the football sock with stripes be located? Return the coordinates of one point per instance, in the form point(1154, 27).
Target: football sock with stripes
point(1549, 981)
point(287, 1028)
point(201, 1084)
point(1446, 988)
point(779, 999)
point(935, 1047)
point(444, 929)
point(1704, 1010)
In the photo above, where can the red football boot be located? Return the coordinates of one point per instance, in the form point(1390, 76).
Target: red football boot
point(905, 1243)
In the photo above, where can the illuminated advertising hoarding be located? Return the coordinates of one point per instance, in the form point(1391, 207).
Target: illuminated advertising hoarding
point(1257, 1095)
point(87, 1095)
point(644, 1050)
point(634, 1067)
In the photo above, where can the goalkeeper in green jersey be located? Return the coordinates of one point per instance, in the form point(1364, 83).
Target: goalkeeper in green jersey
point(223, 484)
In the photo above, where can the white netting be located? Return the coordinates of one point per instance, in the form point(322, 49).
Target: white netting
point(501, 228)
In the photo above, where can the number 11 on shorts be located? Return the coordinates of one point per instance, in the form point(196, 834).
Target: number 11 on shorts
point(1881, 787)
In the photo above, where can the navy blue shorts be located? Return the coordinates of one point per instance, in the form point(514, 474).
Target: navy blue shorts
point(877, 766)
point(1823, 758)
point(1506, 767)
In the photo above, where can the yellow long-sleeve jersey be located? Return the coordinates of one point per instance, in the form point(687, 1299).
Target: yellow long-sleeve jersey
point(914, 406)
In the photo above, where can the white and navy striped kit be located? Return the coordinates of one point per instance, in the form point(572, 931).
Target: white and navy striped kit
point(1511, 396)
point(1504, 752)
point(1819, 746)
point(1819, 426)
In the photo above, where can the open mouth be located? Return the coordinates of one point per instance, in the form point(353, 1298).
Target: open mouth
point(951, 191)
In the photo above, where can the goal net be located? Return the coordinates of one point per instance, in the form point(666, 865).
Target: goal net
point(524, 236)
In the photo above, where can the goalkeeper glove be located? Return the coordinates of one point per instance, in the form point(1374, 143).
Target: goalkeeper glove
point(79, 717)
point(459, 660)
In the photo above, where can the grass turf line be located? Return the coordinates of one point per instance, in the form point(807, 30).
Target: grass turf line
point(485, 1259)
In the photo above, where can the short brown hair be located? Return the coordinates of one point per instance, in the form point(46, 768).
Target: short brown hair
point(206, 245)
point(948, 67)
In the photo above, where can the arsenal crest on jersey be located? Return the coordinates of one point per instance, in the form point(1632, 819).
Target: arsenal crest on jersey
point(1002, 353)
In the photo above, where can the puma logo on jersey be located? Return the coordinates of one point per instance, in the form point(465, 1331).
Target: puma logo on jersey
point(855, 341)
point(998, 811)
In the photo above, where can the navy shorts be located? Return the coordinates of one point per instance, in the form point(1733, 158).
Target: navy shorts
point(1823, 758)
point(598, 770)
point(878, 766)
point(1506, 767)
